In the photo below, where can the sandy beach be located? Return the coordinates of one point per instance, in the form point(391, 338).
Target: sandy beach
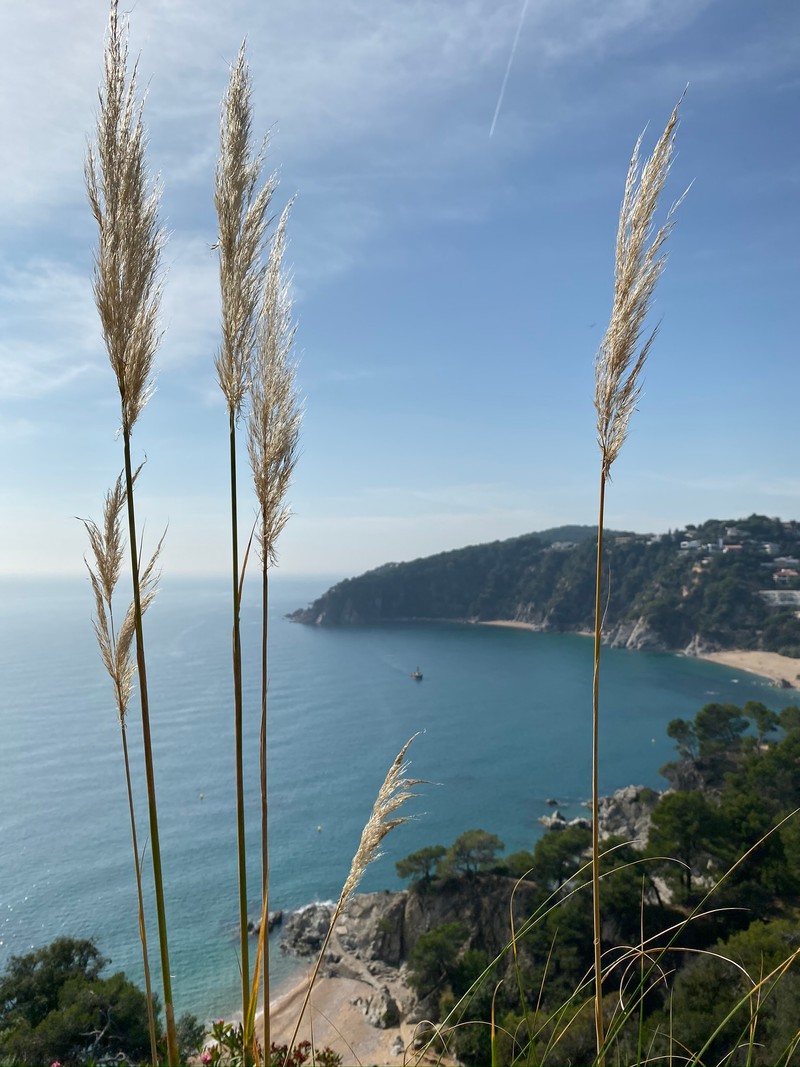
point(335, 1017)
point(337, 1013)
point(354, 993)
point(782, 670)
point(778, 669)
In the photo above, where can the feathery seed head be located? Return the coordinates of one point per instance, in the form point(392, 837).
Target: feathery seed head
point(243, 221)
point(108, 545)
point(275, 412)
point(125, 205)
point(639, 261)
point(392, 794)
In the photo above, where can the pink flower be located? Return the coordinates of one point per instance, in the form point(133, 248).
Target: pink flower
point(55, 1063)
point(206, 1057)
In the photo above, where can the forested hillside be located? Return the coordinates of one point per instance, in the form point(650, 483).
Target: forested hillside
point(723, 584)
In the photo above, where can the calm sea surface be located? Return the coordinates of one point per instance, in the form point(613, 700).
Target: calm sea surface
point(504, 717)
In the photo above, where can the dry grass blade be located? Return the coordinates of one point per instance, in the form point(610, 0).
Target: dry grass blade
point(639, 261)
point(243, 221)
point(392, 794)
point(275, 413)
point(125, 205)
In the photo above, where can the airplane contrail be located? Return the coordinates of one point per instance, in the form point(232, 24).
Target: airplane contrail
point(508, 68)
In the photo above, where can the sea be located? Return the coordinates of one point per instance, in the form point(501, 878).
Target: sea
point(501, 720)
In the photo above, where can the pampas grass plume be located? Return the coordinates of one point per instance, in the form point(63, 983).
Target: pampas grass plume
point(392, 795)
point(639, 261)
point(243, 222)
point(275, 414)
point(125, 205)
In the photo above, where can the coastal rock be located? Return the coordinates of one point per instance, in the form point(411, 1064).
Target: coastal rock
point(305, 930)
point(581, 821)
point(556, 821)
point(635, 635)
point(378, 931)
point(372, 927)
point(528, 613)
point(275, 918)
point(699, 646)
point(627, 814)
point(381, 1009)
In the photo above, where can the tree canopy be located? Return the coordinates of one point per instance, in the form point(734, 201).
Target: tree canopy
point(421, 865)
point(55, 1006)
point(474, 850)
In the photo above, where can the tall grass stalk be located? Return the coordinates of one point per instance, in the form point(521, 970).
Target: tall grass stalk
point(393, 793)
point(127, 293)
point(242, 214)
point(108, 546)
point(639, 261)
point(273, 434)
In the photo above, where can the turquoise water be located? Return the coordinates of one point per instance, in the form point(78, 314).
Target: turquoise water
point(504, 717)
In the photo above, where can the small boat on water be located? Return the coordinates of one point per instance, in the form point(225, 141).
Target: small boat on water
point(417, 675)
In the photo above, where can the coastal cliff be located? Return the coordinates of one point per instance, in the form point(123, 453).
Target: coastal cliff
point(377, 933)
point(726, 584)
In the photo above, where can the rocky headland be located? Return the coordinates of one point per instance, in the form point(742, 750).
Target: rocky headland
point(722, 586)
point(365, 971)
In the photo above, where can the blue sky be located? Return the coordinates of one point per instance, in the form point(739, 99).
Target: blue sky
point(451, 287)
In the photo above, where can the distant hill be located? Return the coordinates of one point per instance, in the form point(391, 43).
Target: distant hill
point(729, 583)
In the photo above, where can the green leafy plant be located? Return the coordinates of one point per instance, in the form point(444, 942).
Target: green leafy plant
point(55, 1004)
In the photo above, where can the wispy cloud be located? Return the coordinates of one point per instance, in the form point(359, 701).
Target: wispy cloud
point(330, 76)
point(51, 335)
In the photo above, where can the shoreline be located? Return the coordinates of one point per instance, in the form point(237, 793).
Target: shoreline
point(335, 1017)
point(782, 671)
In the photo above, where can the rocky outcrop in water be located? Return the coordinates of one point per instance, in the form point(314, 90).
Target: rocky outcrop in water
point(275, 918)
point(627, 814)
point(624, 814)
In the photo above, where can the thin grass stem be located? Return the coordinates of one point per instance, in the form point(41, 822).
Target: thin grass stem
point(155, 847)
point(598, 633)
point(238, 726)
point(107, 544)
point(151, 1021)
point(264, 797)
point(639, 262)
